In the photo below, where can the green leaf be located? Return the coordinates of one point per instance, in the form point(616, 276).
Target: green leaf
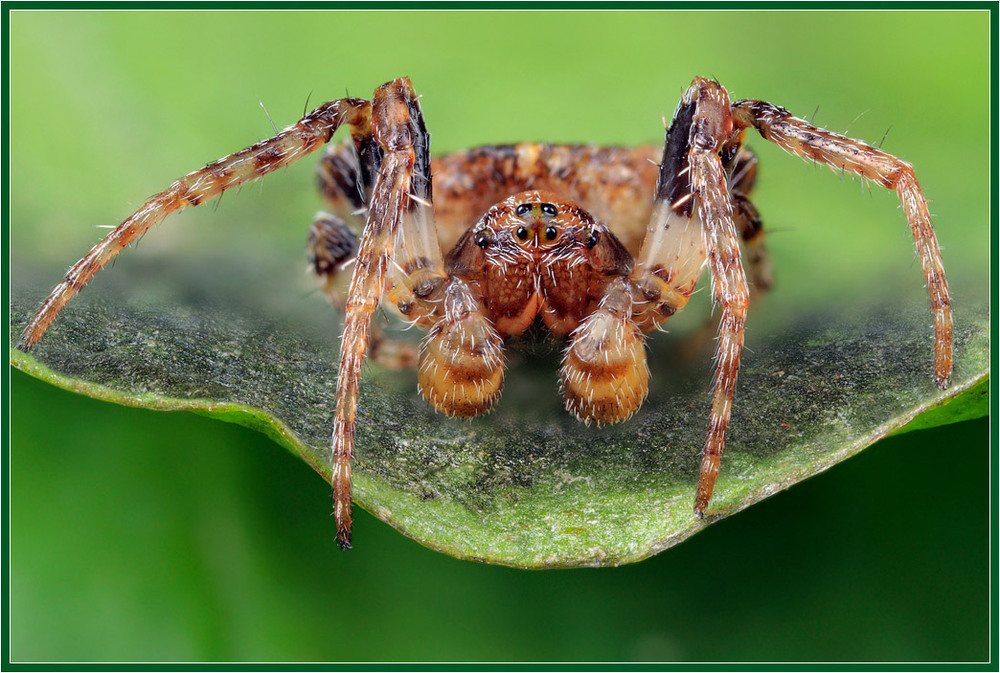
point(526, 485)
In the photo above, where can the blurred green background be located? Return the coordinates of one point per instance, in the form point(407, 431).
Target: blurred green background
point(148, 536)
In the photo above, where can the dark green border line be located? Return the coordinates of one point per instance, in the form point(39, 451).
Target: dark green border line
point(994, 546)
point(467, 5)
point(995, 283)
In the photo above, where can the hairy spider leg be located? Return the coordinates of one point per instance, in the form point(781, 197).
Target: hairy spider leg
point(331, 247)
point(740, 165)
point(604, 373)
point(305, 136)
point(711, 127)
point(398, 189)
point(332, 243)
point(799, 137)
point(399, 257)
point(339, 178)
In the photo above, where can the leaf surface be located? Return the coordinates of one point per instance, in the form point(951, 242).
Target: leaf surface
point(527, 485)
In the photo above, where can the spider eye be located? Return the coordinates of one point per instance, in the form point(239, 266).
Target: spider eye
point(523, 209)
point(522, 233)
point(549, 209)
point(482, 240)
point(551, 233)
point(594, 238)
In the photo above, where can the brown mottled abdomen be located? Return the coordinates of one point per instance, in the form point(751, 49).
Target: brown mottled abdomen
point(614, 184)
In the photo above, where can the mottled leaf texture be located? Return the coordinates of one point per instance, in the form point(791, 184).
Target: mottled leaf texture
point(527, 485)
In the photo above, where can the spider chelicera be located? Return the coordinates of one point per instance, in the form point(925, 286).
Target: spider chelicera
point(598, 245)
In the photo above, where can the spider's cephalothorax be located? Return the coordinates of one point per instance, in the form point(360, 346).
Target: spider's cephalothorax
point(600, 245)
point(536, 256)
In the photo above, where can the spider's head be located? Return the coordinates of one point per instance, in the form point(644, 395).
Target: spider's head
point(538, 221)
point(538, 227)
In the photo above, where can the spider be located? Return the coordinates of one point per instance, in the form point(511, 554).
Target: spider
point(596, 245)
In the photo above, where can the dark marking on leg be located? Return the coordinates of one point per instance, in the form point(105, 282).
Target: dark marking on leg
point(674, 181)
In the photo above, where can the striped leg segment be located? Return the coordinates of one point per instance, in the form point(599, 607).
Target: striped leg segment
point(308, 134)
point(396, 234)
point(741, 167)
point(693, 224)
point(330, 247)
point(799, 137)
point(711, 127)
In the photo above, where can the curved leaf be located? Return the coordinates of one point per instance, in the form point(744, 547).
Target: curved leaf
point(528, 485)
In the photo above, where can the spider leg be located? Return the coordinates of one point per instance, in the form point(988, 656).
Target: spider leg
point(741, 166)
point(397, 192)
point(673, 253)
point(399, 257)
point(710, 128)
point(339, 176)
point(693, 225)
point(305, 136)
point(330, 247)
point(799, 137)
point(751, 230)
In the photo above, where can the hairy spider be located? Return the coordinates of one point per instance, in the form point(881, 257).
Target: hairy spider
point(599, 245)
